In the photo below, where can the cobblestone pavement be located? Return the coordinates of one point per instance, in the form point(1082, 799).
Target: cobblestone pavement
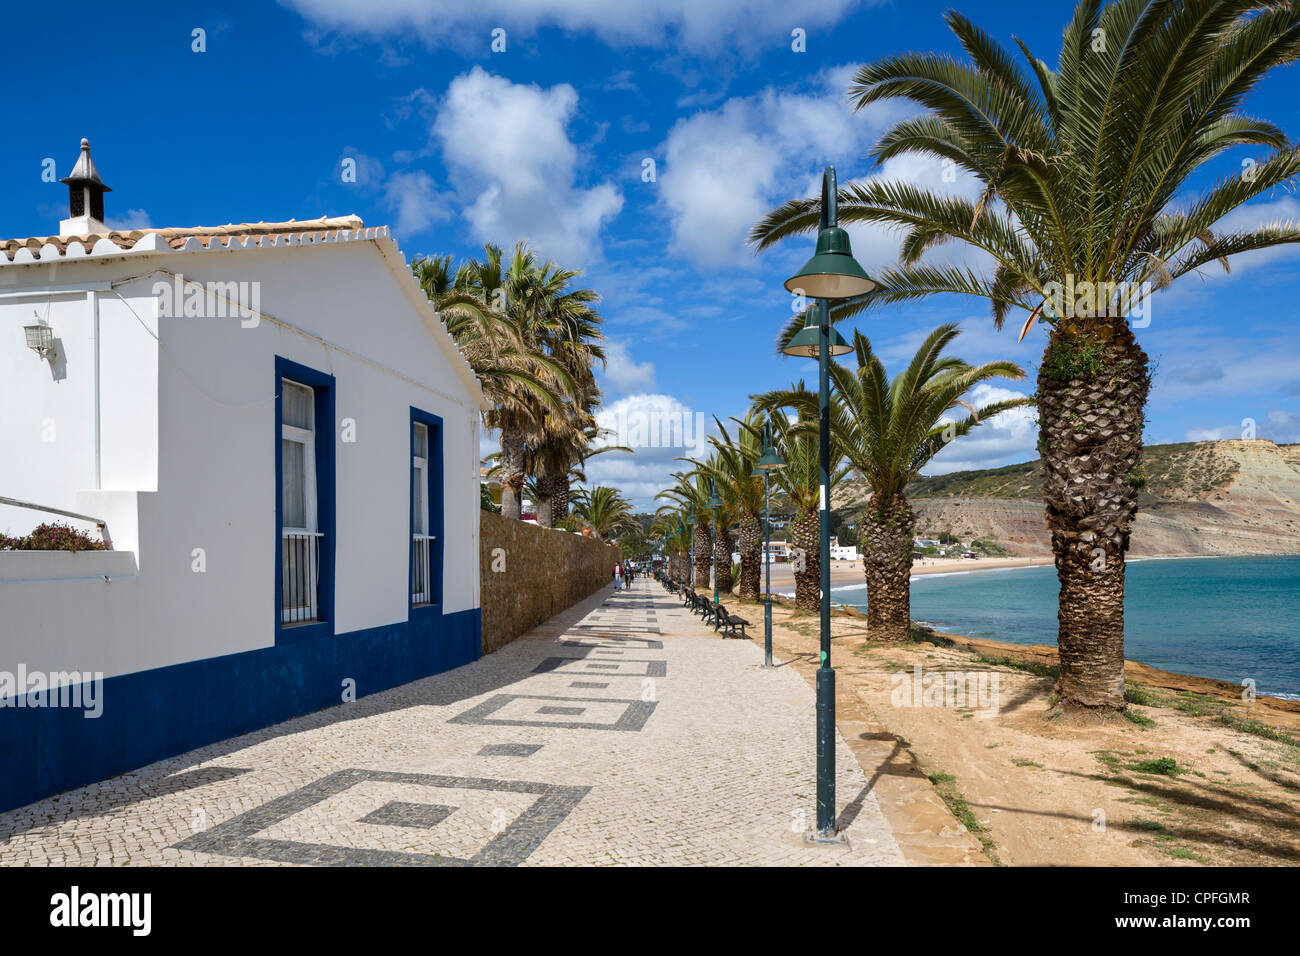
point(619, 732)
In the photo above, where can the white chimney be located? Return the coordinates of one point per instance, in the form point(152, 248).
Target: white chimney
point(85, 197)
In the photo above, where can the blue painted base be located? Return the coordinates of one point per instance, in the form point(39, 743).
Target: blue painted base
point(150, 715)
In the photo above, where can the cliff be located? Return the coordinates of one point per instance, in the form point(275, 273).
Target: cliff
point(1229, 497)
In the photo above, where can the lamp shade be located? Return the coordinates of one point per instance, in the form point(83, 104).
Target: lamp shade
point(832, 272)
point(769, 462)
point(39, 337)
point(807, 342)
point(714, 501)
point(690, 517)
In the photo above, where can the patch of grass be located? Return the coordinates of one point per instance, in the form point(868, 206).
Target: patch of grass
point(921, 634)
point(1154, 826)
point(945, 784)
point(1161, 767)
point(1248, 725)
point(1029, 667)
point(1133, 717)
point(1182, 853)
point(1021, 762)
point(1136, 694)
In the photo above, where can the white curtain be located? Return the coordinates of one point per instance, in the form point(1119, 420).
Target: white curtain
point(293, 502)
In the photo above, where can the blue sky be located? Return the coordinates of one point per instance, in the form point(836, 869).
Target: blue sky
point(455, 144)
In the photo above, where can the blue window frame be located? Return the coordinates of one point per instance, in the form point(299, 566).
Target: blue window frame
point(426, 549)
point(304, 502)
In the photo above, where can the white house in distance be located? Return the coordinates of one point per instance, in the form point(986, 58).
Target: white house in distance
point(281, 442)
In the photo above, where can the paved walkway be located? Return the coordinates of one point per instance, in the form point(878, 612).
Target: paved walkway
point(619, 732)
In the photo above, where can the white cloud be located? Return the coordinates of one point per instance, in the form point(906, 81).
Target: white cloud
point(1214, 434)
point(660, 429)
point(369, 170)
point(131, 219)
point(697, 25)
point(415, 201)
point(725, 168)
point(1249, 218)
point(1279, 425)
point(507, 146)
point(624, 374)
point(1002, 439)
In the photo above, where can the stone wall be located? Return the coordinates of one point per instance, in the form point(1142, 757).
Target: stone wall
point(545, 572)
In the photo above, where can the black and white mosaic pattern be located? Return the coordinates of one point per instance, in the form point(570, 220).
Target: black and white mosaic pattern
point(517, 710)
point(238, 837)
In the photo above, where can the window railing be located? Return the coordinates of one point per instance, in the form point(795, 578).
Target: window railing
point(421, 567)
point(300, 576)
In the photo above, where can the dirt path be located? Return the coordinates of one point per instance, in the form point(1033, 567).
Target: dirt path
point(1178, 783)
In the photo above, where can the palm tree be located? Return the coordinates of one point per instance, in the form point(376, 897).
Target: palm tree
point(605, 511)
point(889, 431)
point(666, 521)
point(1083, 169)
point(557, 454)
point(732, 467)
point(557, 326)
point(799, 482)
point(514, 377)
point(692, 490)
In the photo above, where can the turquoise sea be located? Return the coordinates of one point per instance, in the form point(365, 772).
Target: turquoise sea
point(1230, 618)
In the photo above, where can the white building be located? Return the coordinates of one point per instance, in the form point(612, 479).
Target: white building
point(282, 442)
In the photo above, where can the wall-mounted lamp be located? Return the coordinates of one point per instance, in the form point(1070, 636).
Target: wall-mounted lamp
point(40, 338)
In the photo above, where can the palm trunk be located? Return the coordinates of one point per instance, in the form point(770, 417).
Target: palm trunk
point(703, 555)
point(560, 496)
point(548, 484)
point(805, 533)
point(545, 513)
point(722, 548)
point(887, 564)
point(751, 546)
point(512, 472)
point(1091, 413)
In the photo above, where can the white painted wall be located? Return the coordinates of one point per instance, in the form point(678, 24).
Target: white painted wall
point(187, 449)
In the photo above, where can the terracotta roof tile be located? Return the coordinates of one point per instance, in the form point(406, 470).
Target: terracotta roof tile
point(177, 237)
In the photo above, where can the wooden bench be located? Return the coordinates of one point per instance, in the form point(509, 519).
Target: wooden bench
point(729, 622)
point(710, 612)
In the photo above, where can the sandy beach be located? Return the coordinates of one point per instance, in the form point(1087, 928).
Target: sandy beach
point(850, 572)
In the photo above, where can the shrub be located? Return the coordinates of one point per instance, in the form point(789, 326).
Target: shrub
point(54, 536)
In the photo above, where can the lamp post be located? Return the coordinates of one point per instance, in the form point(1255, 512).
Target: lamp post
point(832, 273)
point(681, 536)
point(691, 522)
point(713, 504)
point(767, 463)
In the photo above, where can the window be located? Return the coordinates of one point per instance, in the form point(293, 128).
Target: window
point(305, 500)
point(426, 510)
point(420, 538)
point(300, 554)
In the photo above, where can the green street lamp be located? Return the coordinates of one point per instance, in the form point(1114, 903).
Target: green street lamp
point(681, 537)
point(768, 463)
point(691, 523)
point(832, 273)
point(713, 504)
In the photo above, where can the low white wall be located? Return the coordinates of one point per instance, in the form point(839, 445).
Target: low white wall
point(64, 611)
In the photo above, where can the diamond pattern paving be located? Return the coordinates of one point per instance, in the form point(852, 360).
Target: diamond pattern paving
point(681, 751)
